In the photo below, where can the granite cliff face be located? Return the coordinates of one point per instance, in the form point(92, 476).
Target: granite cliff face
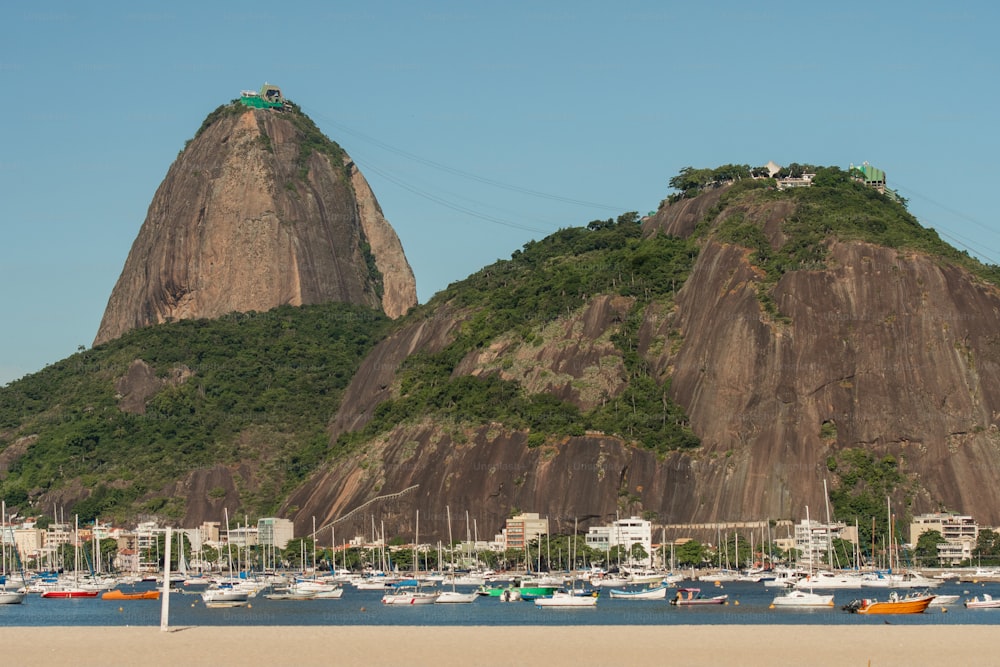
point(891, 351)
point(258, 210)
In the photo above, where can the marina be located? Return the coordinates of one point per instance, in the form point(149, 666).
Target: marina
point(747, 604)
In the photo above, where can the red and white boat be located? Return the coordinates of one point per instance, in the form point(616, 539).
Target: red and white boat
point(70, 593)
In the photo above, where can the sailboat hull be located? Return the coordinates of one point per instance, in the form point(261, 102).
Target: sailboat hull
point(452, 597)
point(659, 593)
point(10, 597)
point(409, 599)
point(802, 599)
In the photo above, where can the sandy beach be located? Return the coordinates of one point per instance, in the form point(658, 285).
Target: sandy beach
point(373, 646)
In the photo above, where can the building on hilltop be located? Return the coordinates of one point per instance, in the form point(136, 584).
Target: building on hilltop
point(869, 175)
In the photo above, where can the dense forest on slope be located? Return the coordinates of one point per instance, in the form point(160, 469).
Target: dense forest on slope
point(259, 386)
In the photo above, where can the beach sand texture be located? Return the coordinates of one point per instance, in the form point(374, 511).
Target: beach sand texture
point(373, 646)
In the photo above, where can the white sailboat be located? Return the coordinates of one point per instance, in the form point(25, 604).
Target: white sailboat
point(407, 593)
point(7, 596)
point(800, 598)
point(568, 598)
point(453, 596)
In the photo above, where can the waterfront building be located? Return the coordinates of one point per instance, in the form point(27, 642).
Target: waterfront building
point(624, 533)
point(208, 532)
point(243, 536)
point(523, 528)
point(273, 532)
point(147, 543)
point(960, 534)
point(30, 542)
point(814, 540)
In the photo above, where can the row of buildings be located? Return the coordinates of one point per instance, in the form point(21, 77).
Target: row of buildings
point(811, 538)
point(522, 529)
point(959, 532)
point(137, 547)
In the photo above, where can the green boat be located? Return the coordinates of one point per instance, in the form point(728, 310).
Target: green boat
point(518, 591)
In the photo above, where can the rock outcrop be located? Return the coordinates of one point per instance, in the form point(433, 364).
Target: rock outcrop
point(890, 351)
point(258, 210)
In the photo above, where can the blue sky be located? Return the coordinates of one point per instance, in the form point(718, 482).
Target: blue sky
point(595, 105)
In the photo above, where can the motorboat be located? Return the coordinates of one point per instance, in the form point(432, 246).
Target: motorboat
point(134, 595)
point(407, 592)
point(912, 604)
point(829, 580)
point(797, 598)
point(567, 599)
point(220, 595)
point(693, 596)
point(943, 600)
point(653, 593)
point(986, 603)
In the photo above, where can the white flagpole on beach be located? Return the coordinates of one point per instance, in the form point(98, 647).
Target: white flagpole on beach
point(165, 603)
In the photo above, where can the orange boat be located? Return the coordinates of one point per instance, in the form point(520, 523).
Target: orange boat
point(894, 605)
point(140, 595)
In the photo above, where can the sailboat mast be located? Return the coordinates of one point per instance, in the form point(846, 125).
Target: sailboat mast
point(451, 547)
point(229, 542)
point(472, 548)
point(3, 539)
point(829, 535)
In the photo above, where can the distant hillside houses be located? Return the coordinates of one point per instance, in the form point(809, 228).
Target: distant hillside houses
point(690, 181)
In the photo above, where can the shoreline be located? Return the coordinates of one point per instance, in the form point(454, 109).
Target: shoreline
point(444, 646)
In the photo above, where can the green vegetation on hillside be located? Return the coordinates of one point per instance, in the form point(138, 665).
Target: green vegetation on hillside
point(864, 481)
point(546, 280)
point(836, 206)
point(233, 108)
point(260, 389)
point(313, 141)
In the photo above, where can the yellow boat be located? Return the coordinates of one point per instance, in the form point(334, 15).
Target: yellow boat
point(894, 605)
point(139, 595)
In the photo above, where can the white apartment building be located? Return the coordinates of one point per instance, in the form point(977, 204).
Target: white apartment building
point(814, 540)
point(625, 533)
point(959, 532)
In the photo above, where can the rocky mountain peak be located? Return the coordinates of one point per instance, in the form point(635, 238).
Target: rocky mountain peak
point(259, 210)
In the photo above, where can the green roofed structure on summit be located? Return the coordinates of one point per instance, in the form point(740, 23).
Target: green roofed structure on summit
point(269, 97)
point(869, 175)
